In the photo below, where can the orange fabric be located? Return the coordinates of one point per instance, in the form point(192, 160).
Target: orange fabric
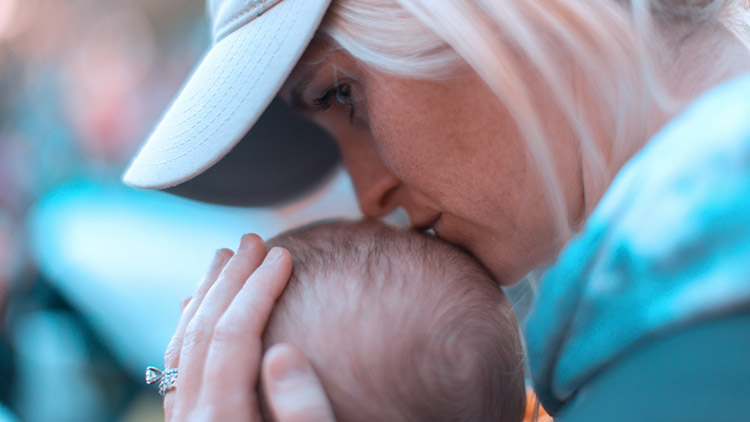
point(531, 401)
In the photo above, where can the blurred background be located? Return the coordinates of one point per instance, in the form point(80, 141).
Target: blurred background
point(91, 272)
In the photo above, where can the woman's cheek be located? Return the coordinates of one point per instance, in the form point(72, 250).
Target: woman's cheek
point(385, 140)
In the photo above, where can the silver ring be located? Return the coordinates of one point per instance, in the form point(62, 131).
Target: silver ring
point(167, 378)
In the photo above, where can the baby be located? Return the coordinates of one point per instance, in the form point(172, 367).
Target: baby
point(399, 326)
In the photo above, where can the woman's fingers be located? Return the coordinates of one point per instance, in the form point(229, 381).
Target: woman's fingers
point(189, 307)
point(200, 328)
point(293, 390)
point(236, 344)
point(172, 355)
point(184, 303)
point(218, 345)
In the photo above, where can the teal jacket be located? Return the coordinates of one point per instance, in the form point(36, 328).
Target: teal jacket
point(667, 247)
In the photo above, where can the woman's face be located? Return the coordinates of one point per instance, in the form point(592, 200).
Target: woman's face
point(447, 152)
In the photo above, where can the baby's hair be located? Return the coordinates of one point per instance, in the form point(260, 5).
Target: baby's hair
point(452, 352)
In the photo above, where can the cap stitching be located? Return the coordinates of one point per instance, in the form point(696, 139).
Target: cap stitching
point(205, 93)
point(200, 111)
point(214, 93)
point(227, 27)
point(215, 129)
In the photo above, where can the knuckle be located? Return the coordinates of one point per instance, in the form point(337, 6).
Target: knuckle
point(226, 331)
point(197, 332)
point(171, 355)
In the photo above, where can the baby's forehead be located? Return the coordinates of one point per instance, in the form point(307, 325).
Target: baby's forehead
point(345, 246)
point(368, 260)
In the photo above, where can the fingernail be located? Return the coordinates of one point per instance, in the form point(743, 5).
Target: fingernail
point(219, 257)
point(244, 242)
point(273, 256)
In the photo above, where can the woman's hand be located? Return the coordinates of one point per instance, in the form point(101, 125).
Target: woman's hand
point(217, 346)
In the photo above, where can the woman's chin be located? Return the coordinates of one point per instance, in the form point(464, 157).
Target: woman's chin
point(506, 272)
point(506, 269)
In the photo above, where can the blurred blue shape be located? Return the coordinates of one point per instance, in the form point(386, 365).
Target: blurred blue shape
point(6, 415)
point(56, 379)
point(125, 258)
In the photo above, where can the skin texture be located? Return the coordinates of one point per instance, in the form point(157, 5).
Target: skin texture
point(446, 151)
point(449, 153)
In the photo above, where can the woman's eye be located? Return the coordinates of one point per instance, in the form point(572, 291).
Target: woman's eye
point(343, 94)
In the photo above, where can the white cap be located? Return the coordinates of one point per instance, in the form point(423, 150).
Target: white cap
point(256, 44)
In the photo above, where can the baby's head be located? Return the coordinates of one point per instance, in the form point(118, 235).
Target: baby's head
point(399, 326)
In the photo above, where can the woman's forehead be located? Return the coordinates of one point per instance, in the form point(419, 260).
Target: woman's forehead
point(319, 56)
point(315, 56)
point(318, 53)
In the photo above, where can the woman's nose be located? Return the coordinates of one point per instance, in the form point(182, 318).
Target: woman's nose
point(375, 185)
point(376, 193)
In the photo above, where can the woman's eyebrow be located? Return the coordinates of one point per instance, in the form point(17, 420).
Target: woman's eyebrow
point(296, 94)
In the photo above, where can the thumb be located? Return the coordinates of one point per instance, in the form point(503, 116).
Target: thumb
point(294, 392)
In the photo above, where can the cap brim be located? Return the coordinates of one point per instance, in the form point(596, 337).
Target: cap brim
point(225, 96)
point(282, 158)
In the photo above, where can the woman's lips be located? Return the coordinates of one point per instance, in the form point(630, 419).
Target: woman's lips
point(427, 225)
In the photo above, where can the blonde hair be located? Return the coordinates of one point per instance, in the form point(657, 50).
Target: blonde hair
point(607, 41)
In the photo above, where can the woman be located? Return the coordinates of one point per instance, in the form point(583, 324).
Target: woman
point(608, 139)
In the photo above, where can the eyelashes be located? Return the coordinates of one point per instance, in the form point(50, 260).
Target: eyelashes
point(342, 92)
